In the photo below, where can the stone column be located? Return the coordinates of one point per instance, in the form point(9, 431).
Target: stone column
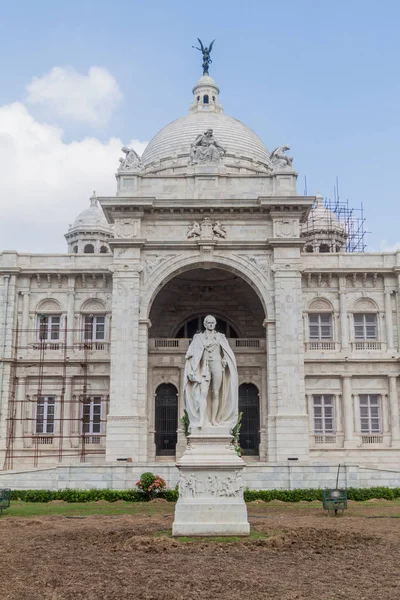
point(263, 415)
point(310, 410)
point(24, 337)
point(389, 320)
point(125, 420)
point(348, 412)
point(344, 332)
point(292, 436)
point(271, 388)
point(398, 311)
point(394, 411)
point(71, 311)
point(338, 420)
point(181, 442)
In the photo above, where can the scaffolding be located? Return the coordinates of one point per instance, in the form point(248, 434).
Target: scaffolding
point(351, 221)
point(72, 435)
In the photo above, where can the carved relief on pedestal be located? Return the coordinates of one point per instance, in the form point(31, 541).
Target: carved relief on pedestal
point(195, 485)
point(126, 228)
point(206, 230)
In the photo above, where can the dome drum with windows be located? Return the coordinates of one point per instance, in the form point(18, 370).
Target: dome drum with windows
point(90, 232)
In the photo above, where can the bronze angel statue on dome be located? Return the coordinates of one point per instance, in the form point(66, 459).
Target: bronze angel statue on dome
point(206, 51)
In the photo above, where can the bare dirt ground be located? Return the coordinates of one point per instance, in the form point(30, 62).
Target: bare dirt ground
point(304, 555)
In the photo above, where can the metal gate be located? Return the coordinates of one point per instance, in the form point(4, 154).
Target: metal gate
point(249, 405)
point(166, 419)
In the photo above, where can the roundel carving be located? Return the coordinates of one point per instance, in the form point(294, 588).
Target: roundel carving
point(365, 305)
point(93, 305)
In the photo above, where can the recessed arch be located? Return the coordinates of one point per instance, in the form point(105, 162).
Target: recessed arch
point(198, 292)
point(242, 268)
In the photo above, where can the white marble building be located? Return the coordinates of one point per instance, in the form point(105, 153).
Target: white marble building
point(92, 342)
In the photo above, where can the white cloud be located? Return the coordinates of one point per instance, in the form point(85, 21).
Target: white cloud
point(45, 182)
point(385, 247)
point(65, 93)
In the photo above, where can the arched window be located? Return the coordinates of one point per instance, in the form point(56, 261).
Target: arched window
point(324, 248)
point(103, 249)
point(309, 248)
point(205, 99)
point(249, 406)
point(88, 249)
point(195, 325)
point(166, 419)
point(75, 249)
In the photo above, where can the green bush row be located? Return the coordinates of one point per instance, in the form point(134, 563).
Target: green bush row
point(134, 495)
point(70, 495)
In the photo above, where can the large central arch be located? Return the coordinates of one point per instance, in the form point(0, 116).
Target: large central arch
point(256, 278)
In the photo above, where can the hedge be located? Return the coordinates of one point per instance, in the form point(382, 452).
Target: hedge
point(134, 495)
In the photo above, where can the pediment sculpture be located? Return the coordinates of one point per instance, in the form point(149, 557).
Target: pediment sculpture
point(206, 149)
point(280, 159)
point(132, 161)
point(206, 230)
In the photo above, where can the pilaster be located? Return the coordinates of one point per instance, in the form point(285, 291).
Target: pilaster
point(394, 412)
point(348, 412)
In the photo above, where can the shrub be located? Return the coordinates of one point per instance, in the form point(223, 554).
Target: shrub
point(151, 484)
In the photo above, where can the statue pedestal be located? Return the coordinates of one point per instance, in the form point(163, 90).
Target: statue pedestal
point(211, 499)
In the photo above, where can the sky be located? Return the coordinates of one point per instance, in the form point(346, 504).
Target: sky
point(80, 79)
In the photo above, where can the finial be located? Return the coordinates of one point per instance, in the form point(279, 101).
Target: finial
point(206, 51)
point(93, 199)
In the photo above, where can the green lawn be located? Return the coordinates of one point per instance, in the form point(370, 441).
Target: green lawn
point(37, 509)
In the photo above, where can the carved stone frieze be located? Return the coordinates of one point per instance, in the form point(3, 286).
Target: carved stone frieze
point(195, 485)
point(153, 261)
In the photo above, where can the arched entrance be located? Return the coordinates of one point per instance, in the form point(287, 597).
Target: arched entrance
point(176, 315)
point(249, 406)
point(166, 419)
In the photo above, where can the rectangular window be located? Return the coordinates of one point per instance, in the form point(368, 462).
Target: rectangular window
point(320, 326)
point(365, 326)
point(49, 327)
point(324, 420)
point(45, 407)
point(91, 415)
point(94, 328)
point(370, 413)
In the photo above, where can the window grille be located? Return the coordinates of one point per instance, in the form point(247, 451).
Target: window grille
point(94, 328)
point(320, 326)
point(45, 410)
point(324, 417)
point(249, 406)
point(370, 414)
point(166, 419)
point(49, 327)
point(365, 326)
point(91, 415)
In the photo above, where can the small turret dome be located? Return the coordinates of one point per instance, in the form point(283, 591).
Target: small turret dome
point(90, 231)
point(323, 230)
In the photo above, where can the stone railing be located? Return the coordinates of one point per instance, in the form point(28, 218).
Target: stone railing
point(319, 346)
point(371, 438)
point(364, 345)
point(181, 344)
point(325, 438)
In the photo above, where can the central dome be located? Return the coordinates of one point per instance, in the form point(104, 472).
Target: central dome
point(170, 147)
point(176, 138)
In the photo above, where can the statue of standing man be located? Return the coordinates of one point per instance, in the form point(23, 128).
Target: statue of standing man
point(211, 379)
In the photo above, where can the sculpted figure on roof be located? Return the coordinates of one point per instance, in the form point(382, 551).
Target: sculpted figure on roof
point(279, 158)
point(206, 149)
point(131, 162)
